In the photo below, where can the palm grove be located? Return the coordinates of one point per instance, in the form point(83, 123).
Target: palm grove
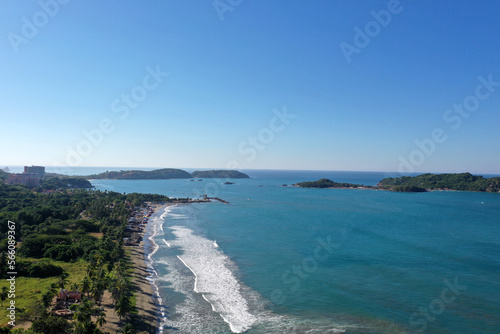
point(80, 230)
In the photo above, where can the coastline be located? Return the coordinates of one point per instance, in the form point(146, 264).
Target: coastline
point(148, 306)
point(146, 318)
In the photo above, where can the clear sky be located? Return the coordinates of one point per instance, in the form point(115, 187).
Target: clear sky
point(327, 85)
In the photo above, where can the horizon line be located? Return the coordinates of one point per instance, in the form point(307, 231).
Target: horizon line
point(260, 169)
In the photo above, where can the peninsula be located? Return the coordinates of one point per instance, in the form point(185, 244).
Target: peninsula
point(165, 173)
point(158, 174)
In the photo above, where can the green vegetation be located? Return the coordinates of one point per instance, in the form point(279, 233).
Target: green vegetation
point(29, 290)
point(166, 173)
point(3, 175)
point(421, 183)
point(407, 189)
point(463, 181)
point(53, 181)
point(220, 174)
point(56, 249)
point(57, 182)
point(326, 183)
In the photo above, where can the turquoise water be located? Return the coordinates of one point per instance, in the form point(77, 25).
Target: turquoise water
point(290, 260)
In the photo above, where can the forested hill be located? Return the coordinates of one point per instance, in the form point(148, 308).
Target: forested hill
point(463, 181)
point(421, 183)
point(56, 181)
point(221, 174)
point(165, 173)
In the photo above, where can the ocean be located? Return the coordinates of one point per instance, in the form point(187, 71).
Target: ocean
point(281, 259)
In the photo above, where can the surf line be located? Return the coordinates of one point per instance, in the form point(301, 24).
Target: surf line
point(213, 279)
point(156, 227)
point(235, 328)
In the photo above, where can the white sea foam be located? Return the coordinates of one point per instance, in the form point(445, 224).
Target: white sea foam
point(213, 278)
point(157, 226)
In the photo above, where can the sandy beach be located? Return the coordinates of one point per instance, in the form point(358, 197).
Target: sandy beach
point(145, 320)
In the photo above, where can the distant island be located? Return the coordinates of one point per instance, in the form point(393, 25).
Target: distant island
point(327, 183)
point(220, 174)
point(462, 182)
point(158, 174)
point(166, 173)
point(420, 183)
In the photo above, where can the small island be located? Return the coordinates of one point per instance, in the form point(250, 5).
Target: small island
point(327, 183)
point(420, 183)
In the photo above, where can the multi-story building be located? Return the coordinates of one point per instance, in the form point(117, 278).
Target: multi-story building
point(27, 179)
point(40, 170)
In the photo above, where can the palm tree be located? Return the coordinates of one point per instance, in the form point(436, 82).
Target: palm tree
point(123, 307)
point(97, 290)
point(90, 270)
point(101, 319)
point(62, 280)
point(83, 316)
point(86, 284)
point(53, 289)
point(118, 287)
point(47, 299)
point(128, 329)
point(75, 286)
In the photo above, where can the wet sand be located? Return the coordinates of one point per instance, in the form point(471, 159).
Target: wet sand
point(145, 320)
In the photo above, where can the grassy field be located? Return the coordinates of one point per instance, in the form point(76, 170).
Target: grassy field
point(30, 289)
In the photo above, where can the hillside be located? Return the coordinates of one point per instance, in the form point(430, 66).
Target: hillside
point(220, 174)
point(165, 173)
point(54, 182)
point(463, 181)
point(421, 183)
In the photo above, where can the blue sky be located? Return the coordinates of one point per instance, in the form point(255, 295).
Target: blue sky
point(69, 68)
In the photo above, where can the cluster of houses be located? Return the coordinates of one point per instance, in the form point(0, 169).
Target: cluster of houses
point(136, 224)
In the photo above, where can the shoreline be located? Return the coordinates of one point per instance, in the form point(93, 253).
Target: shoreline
point(151, 311)
point(146, 320)
point(148, 302)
